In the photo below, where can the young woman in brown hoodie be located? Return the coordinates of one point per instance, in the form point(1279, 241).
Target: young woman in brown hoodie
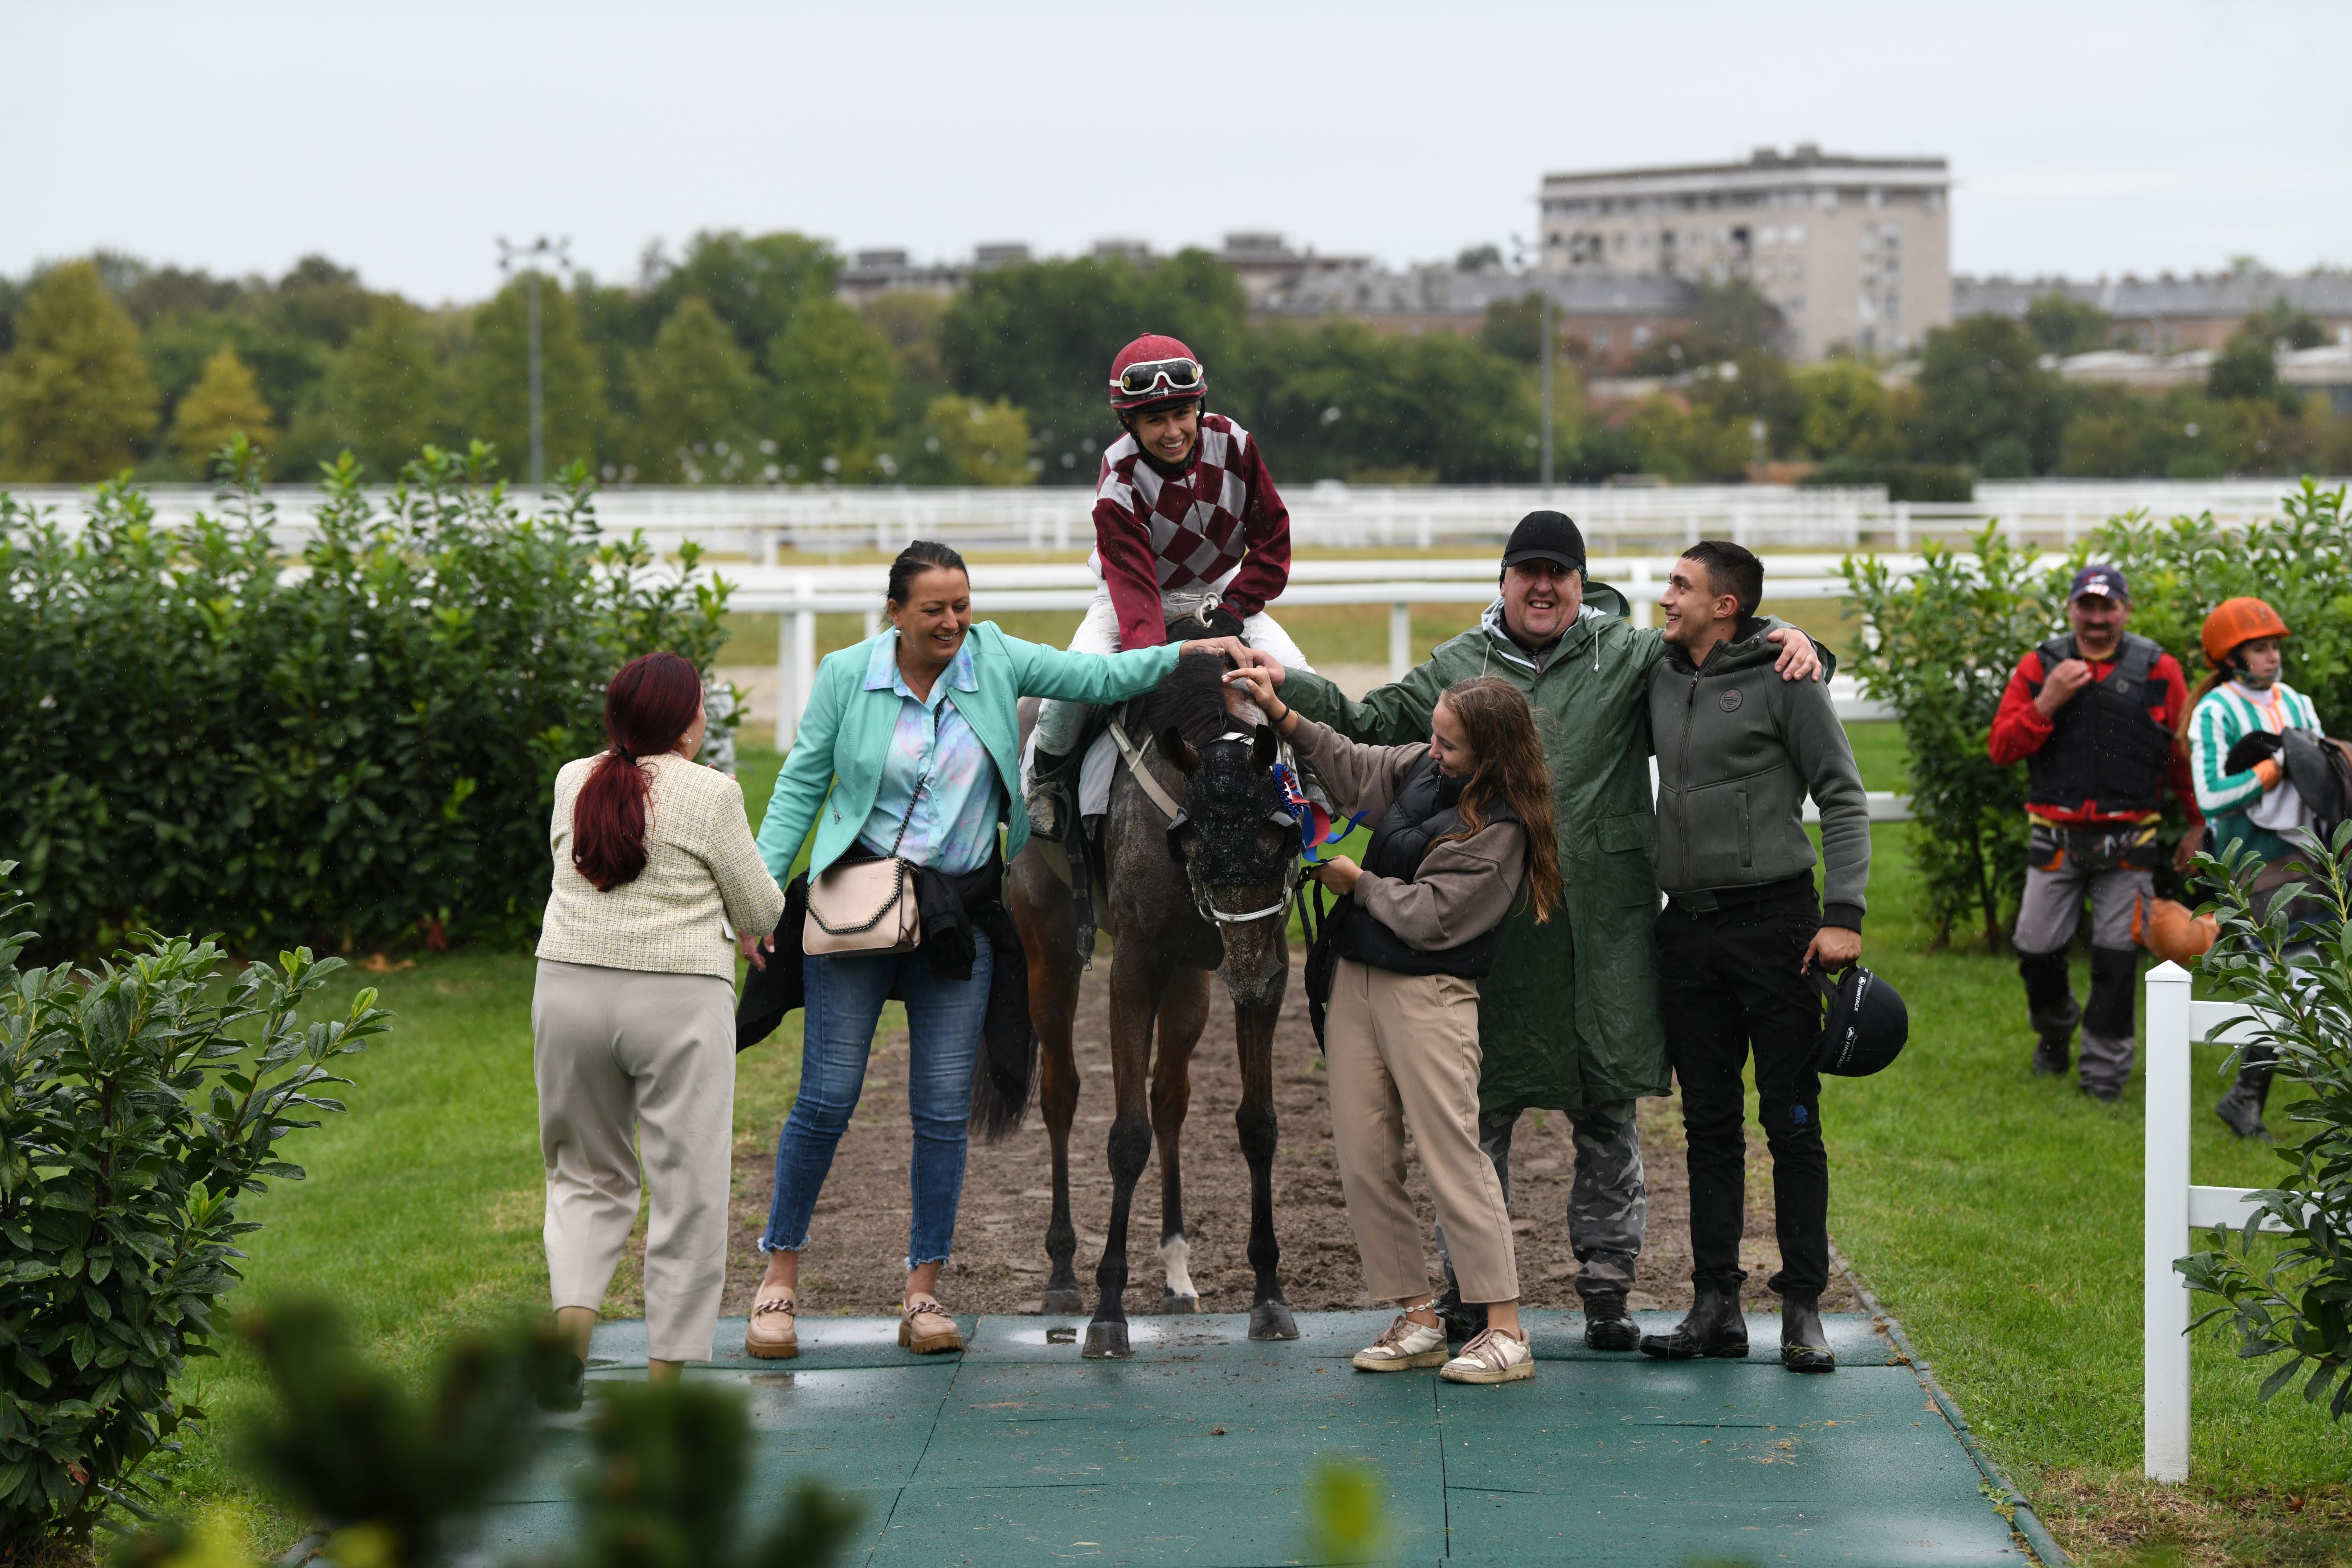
point(1463, 822)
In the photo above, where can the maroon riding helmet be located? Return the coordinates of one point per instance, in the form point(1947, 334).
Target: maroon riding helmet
point(1156, 372)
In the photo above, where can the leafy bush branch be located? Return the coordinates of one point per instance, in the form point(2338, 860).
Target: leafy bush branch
point(2291, 1295)
point(139, 1101)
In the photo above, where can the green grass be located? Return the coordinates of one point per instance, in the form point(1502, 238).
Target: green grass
point(1997, 1216)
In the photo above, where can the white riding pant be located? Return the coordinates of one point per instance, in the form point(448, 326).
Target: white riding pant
point(1059, 723)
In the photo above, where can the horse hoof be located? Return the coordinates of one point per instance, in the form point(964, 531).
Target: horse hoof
point(1272, 1320)
point(1178, 1306)
point(1107, 1341)
point(1062, 1304)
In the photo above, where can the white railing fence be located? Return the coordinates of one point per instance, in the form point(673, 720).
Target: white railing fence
point(768, 525)
point(2175, 1207)
point(797, 595)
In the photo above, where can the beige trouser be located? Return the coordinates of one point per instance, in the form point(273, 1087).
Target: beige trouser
point(637, 1069)
point(1403, 1052)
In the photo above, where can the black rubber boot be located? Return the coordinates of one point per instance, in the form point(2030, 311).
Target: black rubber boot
point(1804, 1346)
point(1606, 1325)
point(1715, 1328)
point(2050, 1005)
point(562, 1388)
point(2242, 1107)
point(1053, 797)
point(1463, 1321)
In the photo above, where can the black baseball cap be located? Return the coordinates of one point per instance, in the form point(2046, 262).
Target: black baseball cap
point(1546, 536)
point(2100, 581)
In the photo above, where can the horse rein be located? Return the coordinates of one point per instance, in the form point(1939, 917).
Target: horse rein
point(1160, 797)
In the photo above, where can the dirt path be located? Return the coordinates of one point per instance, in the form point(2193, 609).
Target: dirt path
point(854, 1263)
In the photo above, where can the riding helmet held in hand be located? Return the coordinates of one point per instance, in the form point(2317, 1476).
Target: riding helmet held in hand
point(1866, 1026)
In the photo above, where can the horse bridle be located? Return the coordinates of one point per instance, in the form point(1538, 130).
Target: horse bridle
point(1176, 818)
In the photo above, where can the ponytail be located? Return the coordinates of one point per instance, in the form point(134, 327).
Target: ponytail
point(649, 706)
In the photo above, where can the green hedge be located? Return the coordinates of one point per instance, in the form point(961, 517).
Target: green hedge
point(348, 747)
point(1939, 645)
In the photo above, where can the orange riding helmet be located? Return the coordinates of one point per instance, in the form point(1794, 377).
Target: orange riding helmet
point(2236, 621)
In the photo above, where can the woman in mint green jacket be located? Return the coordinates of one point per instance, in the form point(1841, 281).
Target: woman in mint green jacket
point(910, 746)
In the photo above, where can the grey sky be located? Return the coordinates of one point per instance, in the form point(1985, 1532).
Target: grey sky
point(403, 138)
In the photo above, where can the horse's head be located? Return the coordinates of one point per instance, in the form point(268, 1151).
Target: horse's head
point(1236, 840)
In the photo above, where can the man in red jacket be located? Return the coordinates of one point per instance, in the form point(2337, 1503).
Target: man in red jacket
point(2092, 714)
point(1187, 524)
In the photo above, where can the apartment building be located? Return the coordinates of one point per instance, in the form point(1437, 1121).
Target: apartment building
point(1853, 251)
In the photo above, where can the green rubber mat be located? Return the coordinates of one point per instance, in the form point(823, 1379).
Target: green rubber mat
point(1199, 1449)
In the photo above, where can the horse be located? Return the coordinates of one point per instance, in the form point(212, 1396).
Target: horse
point(1227, 912)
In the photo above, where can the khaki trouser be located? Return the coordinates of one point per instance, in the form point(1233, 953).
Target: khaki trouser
point(637, 1069)
point(1403, 1052)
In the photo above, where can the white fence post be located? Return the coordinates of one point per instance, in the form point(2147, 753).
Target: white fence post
point(1400, 640)
point(784, 683)
point(1644, 608)
point(795, 660)
point(2165, 1430)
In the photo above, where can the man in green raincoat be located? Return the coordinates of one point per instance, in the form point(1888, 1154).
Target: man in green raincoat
point(1568, 1020)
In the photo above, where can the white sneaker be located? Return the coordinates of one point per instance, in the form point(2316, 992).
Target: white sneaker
point(1493, 1357)
point(1403, 1346)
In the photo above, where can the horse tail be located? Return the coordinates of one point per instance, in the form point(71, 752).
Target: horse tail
point(1002, 1078)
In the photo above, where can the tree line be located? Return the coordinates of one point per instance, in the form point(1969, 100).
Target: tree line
point(736, 361)
point(1981, 401)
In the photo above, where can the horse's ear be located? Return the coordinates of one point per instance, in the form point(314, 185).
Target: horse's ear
point(1265, 746)
point(1174, 746)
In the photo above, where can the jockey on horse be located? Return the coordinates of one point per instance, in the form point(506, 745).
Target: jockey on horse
point(1189, 526)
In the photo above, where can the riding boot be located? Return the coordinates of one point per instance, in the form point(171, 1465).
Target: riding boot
point(1463, 1321)
point(1053, 794)
point(2050, 1005)
point(1607, 1325)
point(2109, 1046)
point(1714, 1327)
point(2242, 1107)
point(1804, 1346)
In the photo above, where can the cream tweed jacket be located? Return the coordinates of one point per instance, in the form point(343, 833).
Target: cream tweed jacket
point(702, 874)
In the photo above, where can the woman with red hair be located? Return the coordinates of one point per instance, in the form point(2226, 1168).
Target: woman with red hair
point(633, 1023)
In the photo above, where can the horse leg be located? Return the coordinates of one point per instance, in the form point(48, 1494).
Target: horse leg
point(1040, 908)
point(1270, 1316)
point(1183, 1013)
point(1057, 1096)
point(1135, 986)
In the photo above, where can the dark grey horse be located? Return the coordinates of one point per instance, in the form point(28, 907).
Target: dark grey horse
point(1183, 900)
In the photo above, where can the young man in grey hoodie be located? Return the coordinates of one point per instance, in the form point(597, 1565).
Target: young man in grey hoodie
point(1738, 941)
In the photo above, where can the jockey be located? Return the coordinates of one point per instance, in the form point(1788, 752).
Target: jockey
point(1187, 523)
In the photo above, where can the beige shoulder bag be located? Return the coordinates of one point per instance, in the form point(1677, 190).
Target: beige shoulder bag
point(866, 906)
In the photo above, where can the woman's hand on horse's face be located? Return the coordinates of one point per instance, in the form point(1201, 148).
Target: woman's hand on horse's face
point(1228, 649)
point(756, 948)
point(1338, 874)
point(1253, 682)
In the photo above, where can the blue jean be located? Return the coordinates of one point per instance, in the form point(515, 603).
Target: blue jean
point(844, 996)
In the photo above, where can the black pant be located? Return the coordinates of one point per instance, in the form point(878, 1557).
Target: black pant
point(1729, 980)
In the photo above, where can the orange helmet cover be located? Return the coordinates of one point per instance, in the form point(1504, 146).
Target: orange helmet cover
point(2236, 621)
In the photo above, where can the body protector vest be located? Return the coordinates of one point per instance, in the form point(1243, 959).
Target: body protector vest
point(2103, 746)
point(1425, 810)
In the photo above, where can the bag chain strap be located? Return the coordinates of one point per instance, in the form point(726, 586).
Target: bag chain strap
point(906, 821)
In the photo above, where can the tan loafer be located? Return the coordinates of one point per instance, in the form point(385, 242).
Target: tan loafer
point(772, 1335)
point(925, 1328)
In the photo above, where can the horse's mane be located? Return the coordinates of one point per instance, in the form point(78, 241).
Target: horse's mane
point(1190, 700)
